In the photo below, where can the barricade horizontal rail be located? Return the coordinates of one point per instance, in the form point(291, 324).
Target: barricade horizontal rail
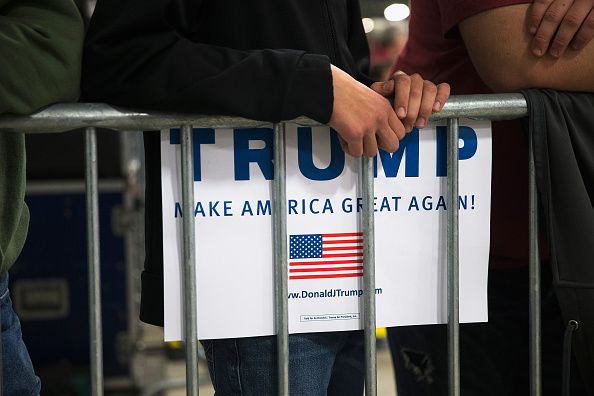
point(90, 116)
point(68, 116)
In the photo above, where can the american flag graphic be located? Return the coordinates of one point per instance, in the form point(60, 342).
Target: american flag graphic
point(326, 256)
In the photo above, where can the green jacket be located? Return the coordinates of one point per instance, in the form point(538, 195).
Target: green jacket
point(40, 57)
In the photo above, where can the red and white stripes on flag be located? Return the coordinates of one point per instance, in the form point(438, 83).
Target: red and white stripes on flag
point(326, 256)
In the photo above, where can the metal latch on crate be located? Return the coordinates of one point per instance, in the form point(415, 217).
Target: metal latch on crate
point(41, 299)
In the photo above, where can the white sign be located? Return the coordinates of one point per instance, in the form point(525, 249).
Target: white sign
point(233, 172)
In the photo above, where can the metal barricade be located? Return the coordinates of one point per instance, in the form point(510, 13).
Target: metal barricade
point(64, 117)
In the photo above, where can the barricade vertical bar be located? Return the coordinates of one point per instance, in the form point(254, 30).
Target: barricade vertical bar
point(189, 248)
point(92, 198)
point(1, 363)
point(281, 287)
point(535, 319)
point(132, 169)
point(368, 229)
point(453, 265)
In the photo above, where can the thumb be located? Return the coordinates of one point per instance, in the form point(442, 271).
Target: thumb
point(384, 88)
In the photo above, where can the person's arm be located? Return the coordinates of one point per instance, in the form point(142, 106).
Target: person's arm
point(499, 45)
point(41, 47)
point(141, 54)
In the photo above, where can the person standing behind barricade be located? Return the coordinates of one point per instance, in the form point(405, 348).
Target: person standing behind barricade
point(260, 59)
point(41, 47)
point(484, 47)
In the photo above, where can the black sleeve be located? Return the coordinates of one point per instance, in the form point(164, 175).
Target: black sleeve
point(358, 44)
point(138, 54)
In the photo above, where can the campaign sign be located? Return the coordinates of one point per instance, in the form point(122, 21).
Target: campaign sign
point(233, 174)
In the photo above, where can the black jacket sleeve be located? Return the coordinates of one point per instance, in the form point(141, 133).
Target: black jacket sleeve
point(140, 54)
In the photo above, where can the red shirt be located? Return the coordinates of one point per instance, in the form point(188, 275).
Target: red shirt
point(436, 51)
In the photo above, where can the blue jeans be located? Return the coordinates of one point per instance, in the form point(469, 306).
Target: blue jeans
point(319, 364)
point(19, 378)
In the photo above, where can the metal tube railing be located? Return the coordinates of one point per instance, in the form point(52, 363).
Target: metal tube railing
point(452, 261)
point(281, 276)
point(63, 117)
point(368, 229)
point(69, 116)
point(534, 275)
point(189, 267)
point(94, 263)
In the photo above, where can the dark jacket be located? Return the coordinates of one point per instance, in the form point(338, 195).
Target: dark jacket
point(562, 127)
point(260, 59)
point(41, 47)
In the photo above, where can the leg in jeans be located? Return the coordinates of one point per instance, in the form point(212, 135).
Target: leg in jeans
point(247, 366)
point(348, 372)
point(19, 378)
